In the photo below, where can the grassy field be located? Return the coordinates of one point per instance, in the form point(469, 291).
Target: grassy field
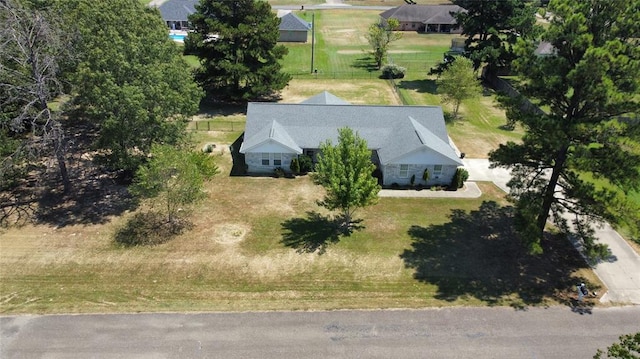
point(249, 250)
point(251, 241)
point(342, 50)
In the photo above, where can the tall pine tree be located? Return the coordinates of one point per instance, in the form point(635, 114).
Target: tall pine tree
point(582, 157)
point(236, 41)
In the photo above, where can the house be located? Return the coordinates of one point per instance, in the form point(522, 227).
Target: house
point(404, 140)
point(425, 18)
point(545, 49)
point(292, 28)
point(176, 13)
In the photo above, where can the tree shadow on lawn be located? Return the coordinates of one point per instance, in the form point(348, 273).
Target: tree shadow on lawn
point(478, 254)
point(96, 194)
point(366, 63)
point(315, 232)
point(420, 86)
point(239, 166)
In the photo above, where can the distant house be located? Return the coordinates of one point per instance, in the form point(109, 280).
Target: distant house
point(292, 28)
point(425, 18)
point(545, 49)
point(404, 140)
point(176, 13)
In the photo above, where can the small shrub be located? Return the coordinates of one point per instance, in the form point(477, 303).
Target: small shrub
point(306, 164)
point(295, 166)
point(395, 185)
point(412, 180)
point(208, 148)
point(278, 172)
point(426, 175)
point(459, 178)
point(393, 72)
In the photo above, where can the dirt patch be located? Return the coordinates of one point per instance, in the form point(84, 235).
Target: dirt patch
point(230, 233)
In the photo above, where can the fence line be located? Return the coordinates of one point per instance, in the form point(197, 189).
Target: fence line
point(503, 86)
point(214, 125)
point(401, 95)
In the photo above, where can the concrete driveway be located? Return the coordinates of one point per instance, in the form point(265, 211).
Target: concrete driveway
point(479, 171)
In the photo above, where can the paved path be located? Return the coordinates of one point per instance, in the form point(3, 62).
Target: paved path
point(477, 333)
point(470, 190)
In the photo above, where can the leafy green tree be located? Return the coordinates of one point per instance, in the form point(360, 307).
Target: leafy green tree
point(174, 176)
point(129, 78)
point(344, 170)
point(627, 348)
point(593, 79)
point(493, 27)
point(458, 83)
point(380, 36)
point(236, 41)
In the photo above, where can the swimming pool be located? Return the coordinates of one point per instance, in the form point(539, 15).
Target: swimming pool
point(177, 37)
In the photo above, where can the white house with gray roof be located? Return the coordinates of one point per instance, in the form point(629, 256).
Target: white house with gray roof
point(176, 13)
point(404, 140)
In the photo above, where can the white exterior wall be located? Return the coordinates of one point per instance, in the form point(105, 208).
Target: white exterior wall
point(254, 162)
point(253, 159)
point(391, 174)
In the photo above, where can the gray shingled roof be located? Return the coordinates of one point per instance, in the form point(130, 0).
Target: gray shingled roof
point(545, 49)
point(291, 22)
point(428, 14)
point(393, 131)
point(177, 10)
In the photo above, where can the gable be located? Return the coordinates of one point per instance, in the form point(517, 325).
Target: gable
point(291, 22)
point(269, 135)
point(325, 98)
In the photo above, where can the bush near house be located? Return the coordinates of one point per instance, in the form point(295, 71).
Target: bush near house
point(459, 178)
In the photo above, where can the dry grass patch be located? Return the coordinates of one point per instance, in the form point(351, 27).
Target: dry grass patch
point(370, 92)
point(234, 258)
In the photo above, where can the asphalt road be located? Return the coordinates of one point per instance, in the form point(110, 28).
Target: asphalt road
point(557, 332)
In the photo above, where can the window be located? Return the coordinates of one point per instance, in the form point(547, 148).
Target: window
point(404, 171)
point(437, 170)
point(277, 159)
point(265, 159)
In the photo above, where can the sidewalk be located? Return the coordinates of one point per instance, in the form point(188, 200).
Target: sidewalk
point(470, 190)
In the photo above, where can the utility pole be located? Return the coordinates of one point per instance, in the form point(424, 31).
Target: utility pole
point(313, 38)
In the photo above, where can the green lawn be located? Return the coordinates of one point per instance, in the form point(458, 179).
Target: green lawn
point(342, 51)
